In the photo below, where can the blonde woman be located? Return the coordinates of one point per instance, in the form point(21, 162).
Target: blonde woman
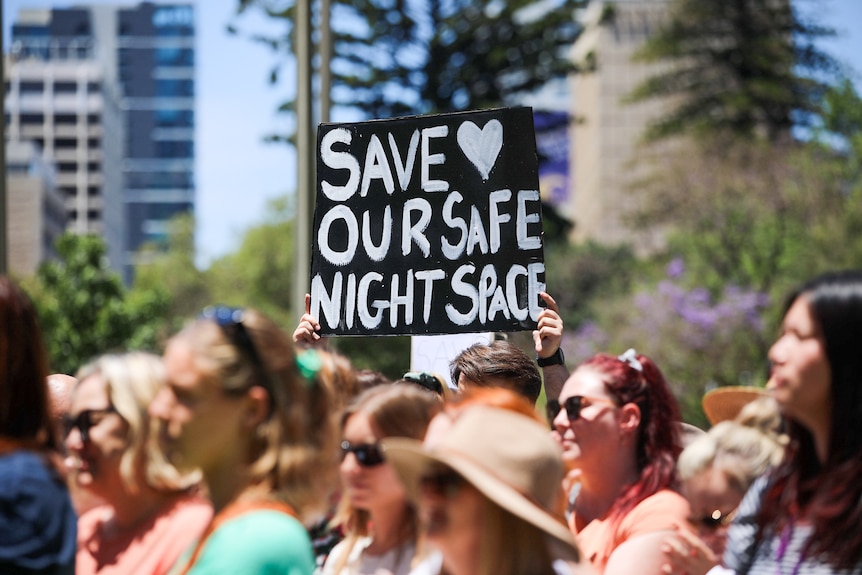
point(151, 511)
point(237, 407)
point(717, 470)
point(379, 520)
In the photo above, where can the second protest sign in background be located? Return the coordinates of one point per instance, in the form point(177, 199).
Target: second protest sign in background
point(428, 225)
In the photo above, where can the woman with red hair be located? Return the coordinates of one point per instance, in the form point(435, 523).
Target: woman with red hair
point(617, 424)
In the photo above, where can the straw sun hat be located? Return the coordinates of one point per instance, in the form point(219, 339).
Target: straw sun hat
point(725, 403)
point(507, 456)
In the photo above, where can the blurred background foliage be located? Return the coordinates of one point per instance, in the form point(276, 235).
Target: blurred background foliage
point(766, 193)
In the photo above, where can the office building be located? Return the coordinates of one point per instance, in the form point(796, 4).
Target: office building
point(606, 157)
point(146, 54)
point(66, 109)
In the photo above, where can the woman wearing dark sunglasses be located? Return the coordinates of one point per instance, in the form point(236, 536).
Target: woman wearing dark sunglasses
point(37, 522)
point(239, 407)
point(617, 425)
point(379, 521)
point(151, 512)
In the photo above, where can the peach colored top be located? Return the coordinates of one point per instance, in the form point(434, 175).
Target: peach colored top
point(150, 550)
point(657, 512)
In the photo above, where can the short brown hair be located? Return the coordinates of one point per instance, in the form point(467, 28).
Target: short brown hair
point(480, 363)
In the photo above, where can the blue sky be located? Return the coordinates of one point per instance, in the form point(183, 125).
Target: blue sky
point(236, 172)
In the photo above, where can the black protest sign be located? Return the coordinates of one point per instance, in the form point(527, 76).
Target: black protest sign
point(428, 225)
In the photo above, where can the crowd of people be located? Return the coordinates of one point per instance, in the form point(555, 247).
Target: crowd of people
point(243, 450)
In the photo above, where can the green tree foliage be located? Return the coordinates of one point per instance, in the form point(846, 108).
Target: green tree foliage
point(745, 66)
point(171, 267)
point(400, 57)
point(842, 123)
point(579, 275)
point(748, 213)
point(260, 273)
point(84, 307)
point(698, 340)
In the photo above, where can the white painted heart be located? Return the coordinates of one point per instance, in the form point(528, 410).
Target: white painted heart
point(481, 146)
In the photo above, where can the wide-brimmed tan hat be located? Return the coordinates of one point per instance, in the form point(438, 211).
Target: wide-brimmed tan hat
point(725, 403)
point(508, 457)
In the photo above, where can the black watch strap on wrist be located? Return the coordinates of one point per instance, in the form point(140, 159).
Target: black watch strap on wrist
point(556, 359)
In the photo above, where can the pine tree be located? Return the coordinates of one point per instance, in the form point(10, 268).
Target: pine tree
point(748, 67)
point(400, 57)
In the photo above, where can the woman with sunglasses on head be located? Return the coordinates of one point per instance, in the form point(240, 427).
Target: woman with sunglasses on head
point(151, 512)
point(380, 522)
point(37, 522)
point(808, 511)
point(486, 488)
point(239, 407)
point(618, 428)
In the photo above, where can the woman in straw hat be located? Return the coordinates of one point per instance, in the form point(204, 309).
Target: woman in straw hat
point(486, 489)
point(725, 403)
point(808, 511)
point(617, 424)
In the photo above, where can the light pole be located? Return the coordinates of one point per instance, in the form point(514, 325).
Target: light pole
point(304, 154)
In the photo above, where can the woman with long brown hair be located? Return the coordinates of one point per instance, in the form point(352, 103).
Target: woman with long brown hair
point(379, 520)
point(808, 516)
point(37, 522)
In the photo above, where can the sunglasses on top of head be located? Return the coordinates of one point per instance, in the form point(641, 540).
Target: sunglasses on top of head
point(229, 319)
point(573, 406)
point(367, 454)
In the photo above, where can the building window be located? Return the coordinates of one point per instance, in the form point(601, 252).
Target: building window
point(93, 87)
point(92, 190)
point(174, 118)
point(67, 167)
point(32, 119)
point(65, 119)
point(160, 180)
point(174, 149)
point(65, 143)
point(65, 87)
point(31, 87)
point(93, 118)
point(175, 57)
point(175, 88)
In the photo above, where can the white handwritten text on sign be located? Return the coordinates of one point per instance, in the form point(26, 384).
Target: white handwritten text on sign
point(428, 224)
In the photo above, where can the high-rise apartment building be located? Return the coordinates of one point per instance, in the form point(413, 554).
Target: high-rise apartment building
point(146, 53)
point(64, 107)
point(606, 156)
